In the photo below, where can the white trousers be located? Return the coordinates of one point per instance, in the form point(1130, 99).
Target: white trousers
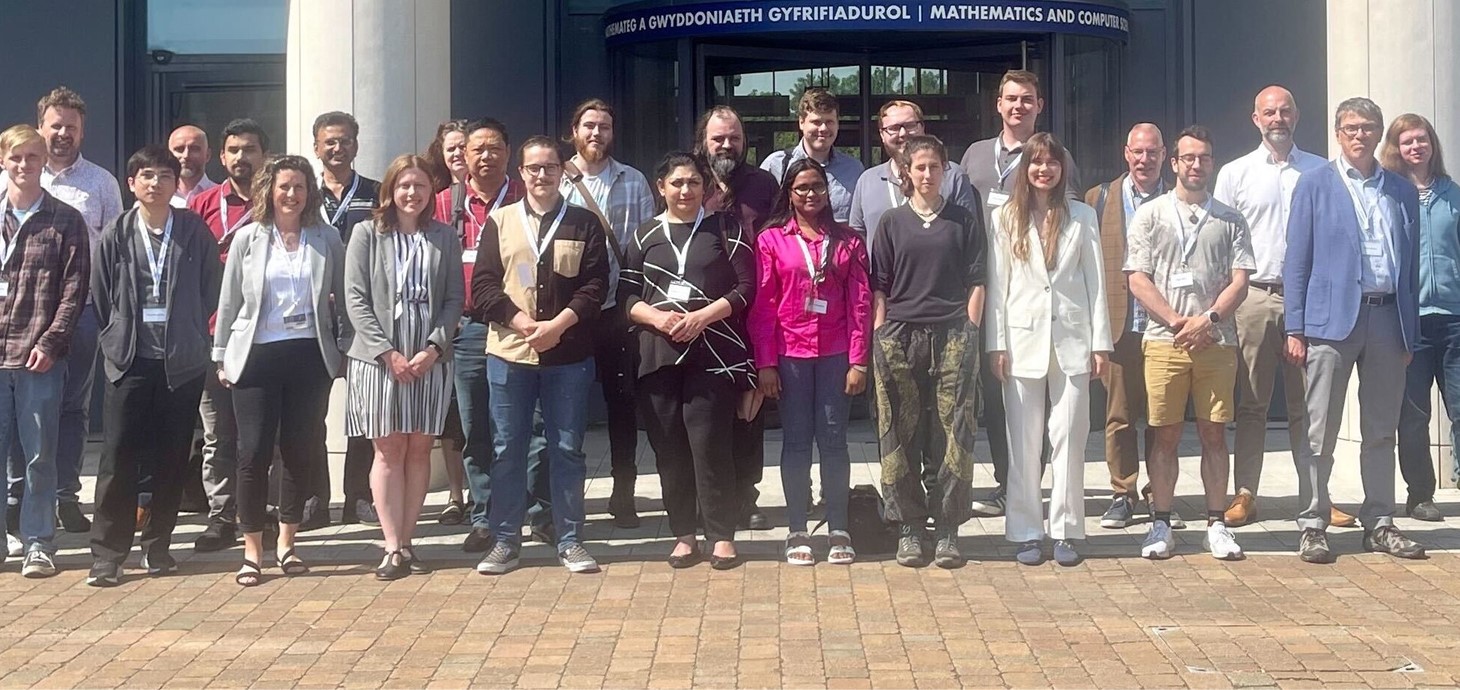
point(1068, 425)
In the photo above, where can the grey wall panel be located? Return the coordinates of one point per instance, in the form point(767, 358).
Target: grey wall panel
point(37, 60)
point(1242, 46)
point(503, 62)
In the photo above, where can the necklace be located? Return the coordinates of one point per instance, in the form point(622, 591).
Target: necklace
point(931, 214)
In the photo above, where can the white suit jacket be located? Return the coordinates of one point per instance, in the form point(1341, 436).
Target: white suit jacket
point(1033, 311)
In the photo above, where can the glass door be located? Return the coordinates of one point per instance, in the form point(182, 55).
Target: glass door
point(211, 91)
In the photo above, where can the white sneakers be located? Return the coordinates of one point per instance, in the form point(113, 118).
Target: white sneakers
point(1221, 543)
point(1159, 542)
point(14, 547)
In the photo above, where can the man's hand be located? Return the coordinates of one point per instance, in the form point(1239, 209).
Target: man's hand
point(1296, 351)
point(523, 324)
point(1194, 333)
point(546, 335)
point(39, 362)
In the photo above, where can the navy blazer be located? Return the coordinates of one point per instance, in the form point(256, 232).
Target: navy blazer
point(1322, 268)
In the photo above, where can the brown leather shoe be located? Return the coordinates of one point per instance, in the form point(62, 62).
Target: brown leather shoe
point(1242, 511)
point(1338, 518)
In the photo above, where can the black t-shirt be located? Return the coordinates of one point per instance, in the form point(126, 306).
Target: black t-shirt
point(361, 205)
point(927, 273)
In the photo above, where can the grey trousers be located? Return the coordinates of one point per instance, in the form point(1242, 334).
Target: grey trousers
point(1377, 347)
point(220, 450)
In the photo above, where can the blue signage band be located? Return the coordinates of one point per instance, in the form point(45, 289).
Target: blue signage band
point(644, 22)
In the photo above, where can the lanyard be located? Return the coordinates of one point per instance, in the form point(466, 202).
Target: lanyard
point(483, 221)
point(540, 246)
point(1188, 240)
point(817, 272)
point(156, 263)
point(295, 268)
point(893, 192)
point(344, 206)
point(1361, 207)
point(681, 254)
point(1003, 173)
point(228, 230)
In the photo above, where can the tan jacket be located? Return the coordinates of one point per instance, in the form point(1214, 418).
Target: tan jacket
point(1112, 251)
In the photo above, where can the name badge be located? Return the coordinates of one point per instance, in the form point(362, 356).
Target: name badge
point(1373, 248)
point(4, 288)
point(526, 277)
point(997, 198)
point(679, 291)
point(469, 256)
point(1181, 280)
point(815, 306)
point(298, 322)
point(157, 315)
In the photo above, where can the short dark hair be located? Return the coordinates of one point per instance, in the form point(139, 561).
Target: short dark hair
point(489, 123)
point(245, 125)
point(1196, 132)
point(817, 100)
point(539, 141)
point(59, 97)
point(335, 118)
point(153, 156)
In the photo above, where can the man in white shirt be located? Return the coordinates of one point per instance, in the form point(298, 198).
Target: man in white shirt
point(189, 145)
point(1260, 186)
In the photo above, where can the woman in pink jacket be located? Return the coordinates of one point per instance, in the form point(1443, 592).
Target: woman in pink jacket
point(809, 329)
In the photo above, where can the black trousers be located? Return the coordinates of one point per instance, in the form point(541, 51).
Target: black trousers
point(359, 457)
point(283, 393)
point(994, 422)
point(616, 356)
point(688, 412)
point(147, 423)
point(748, 442)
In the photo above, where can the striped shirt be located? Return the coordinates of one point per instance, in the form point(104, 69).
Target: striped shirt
point(362, 198)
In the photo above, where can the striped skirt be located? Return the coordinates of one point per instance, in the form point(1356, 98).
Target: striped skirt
point(380, 406)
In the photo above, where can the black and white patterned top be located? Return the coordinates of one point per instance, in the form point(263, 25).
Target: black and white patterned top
point(718, 262)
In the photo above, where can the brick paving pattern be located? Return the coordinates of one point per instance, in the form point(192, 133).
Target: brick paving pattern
point(1113, 621)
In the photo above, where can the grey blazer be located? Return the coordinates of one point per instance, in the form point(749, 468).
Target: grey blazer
point(370, 289)
point(241, 303)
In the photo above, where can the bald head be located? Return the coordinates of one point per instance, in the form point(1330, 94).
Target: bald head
point(1144, 153)
point(189, 145)
point(1275, 114)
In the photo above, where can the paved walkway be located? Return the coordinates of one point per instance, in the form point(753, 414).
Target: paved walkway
point(1113, 621)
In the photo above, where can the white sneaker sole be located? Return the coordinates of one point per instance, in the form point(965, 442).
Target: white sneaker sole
point(1156, 553)
point(1114, 524)
point(580, 567)
point(497, 569)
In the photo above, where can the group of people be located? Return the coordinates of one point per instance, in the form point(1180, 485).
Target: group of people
point(472, 301)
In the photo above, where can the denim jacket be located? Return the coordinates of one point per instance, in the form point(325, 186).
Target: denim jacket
point(1439, 250)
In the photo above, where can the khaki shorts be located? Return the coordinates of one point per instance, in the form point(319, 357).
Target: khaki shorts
point(1208, 377)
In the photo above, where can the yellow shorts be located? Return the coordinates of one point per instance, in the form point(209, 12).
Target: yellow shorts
point(1208, 377)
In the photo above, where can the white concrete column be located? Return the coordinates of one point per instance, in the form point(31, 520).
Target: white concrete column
point(1401, 54)
point(386, 62)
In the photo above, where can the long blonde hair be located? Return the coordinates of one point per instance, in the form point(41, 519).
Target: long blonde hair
point(1018, 212)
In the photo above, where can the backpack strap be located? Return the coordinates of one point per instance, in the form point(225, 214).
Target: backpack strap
point(458, 207)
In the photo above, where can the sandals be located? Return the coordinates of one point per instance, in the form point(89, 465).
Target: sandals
point(292, 564)
point(453, 514)
point(250, 575)
point(841, 552)
point(798, 549)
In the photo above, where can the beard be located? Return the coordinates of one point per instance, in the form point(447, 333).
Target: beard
point(723, 164)
point(591, 152)
point(242, 175)
point(1278, 137)
point(1192, 186)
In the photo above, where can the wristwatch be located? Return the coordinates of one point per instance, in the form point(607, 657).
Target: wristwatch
point(435, 347)
point(1214, 316)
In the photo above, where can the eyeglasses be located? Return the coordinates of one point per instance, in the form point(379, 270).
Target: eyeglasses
point(1151, 154)
point(1192, 158)
point(814, 190)
point(903, 128)
point(1353, 131)
point(535, 169)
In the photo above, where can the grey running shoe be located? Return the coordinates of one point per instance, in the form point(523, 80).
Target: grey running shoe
point(946, 554)
point(910, 548)
point(159, 564)
point(991, 505)
point(1387, 539)
point(1313, 546)
point(1427, 511)
point(1119, 515)
point(104, 574)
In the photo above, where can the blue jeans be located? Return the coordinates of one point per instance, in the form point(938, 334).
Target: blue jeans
point(814, 405)
point(75, 412)
point(1436, 361)
point(30, 411)
point(473, 401)
point(518, 389)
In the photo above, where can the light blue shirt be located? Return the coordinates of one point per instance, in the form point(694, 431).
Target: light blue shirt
point(1132, 200)
point(1378, 215)
point(842, 172)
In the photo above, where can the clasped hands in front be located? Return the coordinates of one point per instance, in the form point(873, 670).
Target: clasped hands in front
point(1194, 333)
point(680, 327)
point(405, 370)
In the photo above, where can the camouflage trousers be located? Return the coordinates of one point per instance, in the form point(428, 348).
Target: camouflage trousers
point(927, 417)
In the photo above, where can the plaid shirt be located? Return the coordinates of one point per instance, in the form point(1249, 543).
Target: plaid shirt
point(628, 201)
point(48, 276)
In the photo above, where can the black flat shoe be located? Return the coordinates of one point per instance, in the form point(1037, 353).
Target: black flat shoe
point(687, 560)
point(416, 565)
point(724, 562)
point(392, 567)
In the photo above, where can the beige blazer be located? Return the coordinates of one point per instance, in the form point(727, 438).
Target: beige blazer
point(1035, 312)
point(241, 302)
